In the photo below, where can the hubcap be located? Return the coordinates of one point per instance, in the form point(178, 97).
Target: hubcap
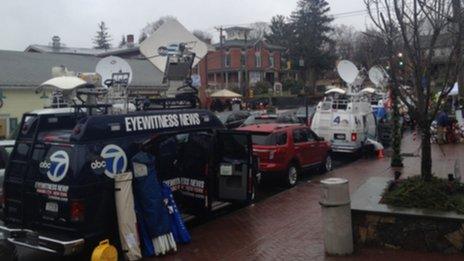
point(328, 163)
point(292, 176)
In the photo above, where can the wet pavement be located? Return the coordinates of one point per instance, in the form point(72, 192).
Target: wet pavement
point(288, 225)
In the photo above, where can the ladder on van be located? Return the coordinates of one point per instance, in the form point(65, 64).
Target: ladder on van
point(21, 164)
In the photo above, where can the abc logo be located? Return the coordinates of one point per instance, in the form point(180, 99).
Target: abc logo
point(115, 160)
point(45, 165)
point(58, 166)
point(98, 164)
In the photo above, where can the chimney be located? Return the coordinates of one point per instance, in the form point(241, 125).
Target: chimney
point(56, 42)
point(130, 40)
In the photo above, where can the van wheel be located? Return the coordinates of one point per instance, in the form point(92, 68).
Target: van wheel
point(8, 251)
point(292, 175)
point(327, 164)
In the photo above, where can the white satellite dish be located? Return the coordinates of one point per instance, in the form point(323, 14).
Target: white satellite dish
point(65, 83)
point(107, 66)
point(335, 90)
point(377, 75)
point(347, 71)
point(171, 33)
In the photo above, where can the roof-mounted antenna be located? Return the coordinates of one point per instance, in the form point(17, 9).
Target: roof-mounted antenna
point(348, 72)
point(116, 74)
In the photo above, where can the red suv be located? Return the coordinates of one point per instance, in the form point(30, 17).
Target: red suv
point(288, 149)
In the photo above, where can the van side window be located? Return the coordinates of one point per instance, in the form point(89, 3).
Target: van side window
point(300, 135)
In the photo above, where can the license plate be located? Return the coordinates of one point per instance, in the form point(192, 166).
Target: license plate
point(226, 170)
point(51, 207)
point(340, 136)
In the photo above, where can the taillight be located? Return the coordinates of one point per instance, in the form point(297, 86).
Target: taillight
point(77, 211)
point(354, 136)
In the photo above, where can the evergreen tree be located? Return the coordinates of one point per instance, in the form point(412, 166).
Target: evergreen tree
point(102, 39)
point(310, 27)
point(123, 42)
point(279, 31)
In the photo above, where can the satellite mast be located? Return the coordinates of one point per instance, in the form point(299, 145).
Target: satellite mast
point(116, 74)
point(378, 76)
point(174, 50)
point(348, 72)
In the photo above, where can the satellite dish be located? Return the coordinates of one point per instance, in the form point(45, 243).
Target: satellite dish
point(377, 75)
point(111, 65)
point(347, 71)
point(164, 40)
point(64, 83)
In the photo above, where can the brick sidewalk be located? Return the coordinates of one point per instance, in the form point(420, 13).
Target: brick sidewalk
point(288, 226)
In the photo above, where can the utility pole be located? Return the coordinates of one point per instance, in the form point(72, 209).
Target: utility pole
point(458, 28)
point(245, 61)
point(221, 50)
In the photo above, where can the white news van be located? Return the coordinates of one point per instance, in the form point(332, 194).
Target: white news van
point(346, 121)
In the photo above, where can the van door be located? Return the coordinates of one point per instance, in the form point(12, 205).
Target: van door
point(234, 163)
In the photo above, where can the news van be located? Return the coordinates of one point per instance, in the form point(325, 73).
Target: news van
point(346, 121)
point(59, 184)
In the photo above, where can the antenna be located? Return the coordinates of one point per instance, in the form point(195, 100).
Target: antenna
point(63, 88)
point(348, 72)
point(168, 39)
point(377, 75)
point(115, 73)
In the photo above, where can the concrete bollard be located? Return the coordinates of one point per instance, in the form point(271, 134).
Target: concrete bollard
point(336, 215)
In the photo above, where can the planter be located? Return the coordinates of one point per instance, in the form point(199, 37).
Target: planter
point(376, 224)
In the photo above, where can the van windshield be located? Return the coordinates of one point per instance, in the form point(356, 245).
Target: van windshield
point(269, 139)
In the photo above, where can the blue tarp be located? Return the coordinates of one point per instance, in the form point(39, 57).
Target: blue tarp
point(152, 214)
point(179, 231)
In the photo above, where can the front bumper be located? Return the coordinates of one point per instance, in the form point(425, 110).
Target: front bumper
point(33, 239)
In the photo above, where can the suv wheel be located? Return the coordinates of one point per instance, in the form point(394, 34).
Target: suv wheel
point(327, 164)
point(292, 175)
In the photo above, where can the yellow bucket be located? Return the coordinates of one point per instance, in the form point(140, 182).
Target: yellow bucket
point(104, 252)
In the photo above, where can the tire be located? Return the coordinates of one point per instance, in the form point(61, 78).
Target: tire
point(291, 176)
point(327, 164)
point(7, 251)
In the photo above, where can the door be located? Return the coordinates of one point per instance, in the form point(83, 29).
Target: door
point(234, 166)
point(318, 151)
point(302, 147)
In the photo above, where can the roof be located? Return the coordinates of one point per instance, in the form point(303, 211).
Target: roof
point(243, 43)
point(225, 94)
point(267, 127)
point(63, 50)
point(24, 69)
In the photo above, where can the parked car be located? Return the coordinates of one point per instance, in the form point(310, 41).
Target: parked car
point(6, 146)
point(289, 118)
point(287, 149)
point(301, 114)
point(233, 119)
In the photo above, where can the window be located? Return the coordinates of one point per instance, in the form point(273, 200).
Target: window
point(242, 59)
point(271, 60)
point(269, 139)
point(227, 60)
point(300, 135)
point(257, 59)
point(311, 135)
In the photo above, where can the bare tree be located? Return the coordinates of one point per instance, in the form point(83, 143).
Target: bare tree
point(345, 37)
point(259, 30)
point(414, 28)
point(153, 26)
point(203, 35)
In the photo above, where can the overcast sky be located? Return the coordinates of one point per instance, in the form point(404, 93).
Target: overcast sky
point(25, 22)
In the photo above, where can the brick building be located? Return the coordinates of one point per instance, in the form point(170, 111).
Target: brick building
point(236, 60)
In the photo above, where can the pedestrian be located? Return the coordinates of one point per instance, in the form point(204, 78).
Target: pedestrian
point(442, 124)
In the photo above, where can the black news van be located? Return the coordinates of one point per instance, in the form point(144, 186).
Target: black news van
point(59, 187)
